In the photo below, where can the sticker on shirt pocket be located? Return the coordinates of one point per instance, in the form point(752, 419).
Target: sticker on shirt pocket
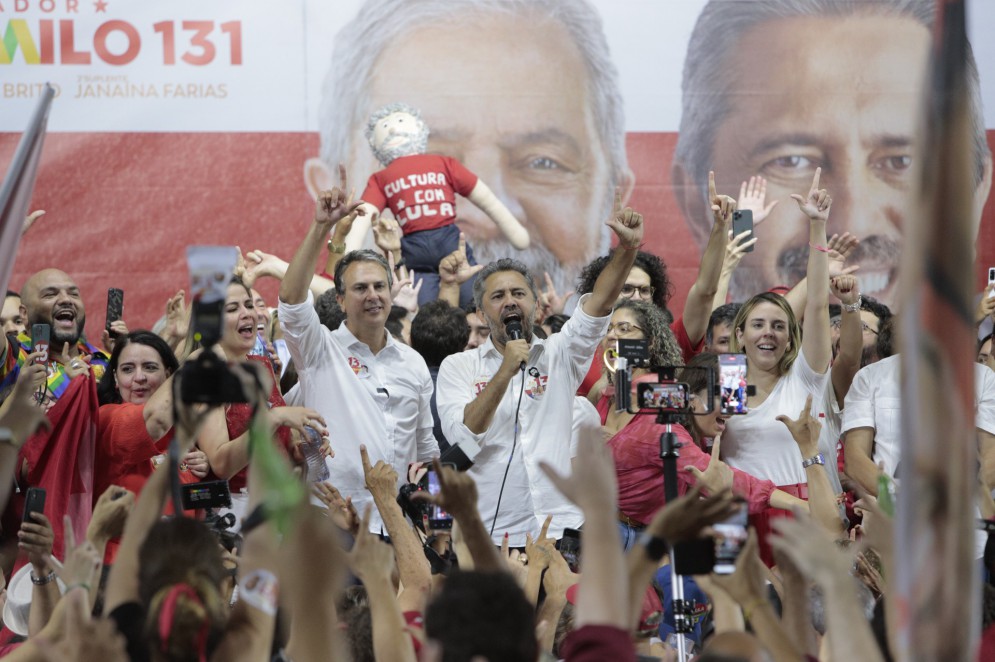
point(535, 387)
point(359, 367)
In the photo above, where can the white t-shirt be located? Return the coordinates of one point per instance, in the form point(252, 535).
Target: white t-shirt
point(762, 446)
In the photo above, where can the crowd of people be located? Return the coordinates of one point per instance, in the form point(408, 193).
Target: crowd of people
point(484, 482)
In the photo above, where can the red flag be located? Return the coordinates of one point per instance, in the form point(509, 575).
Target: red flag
point(937, 584)
point(18, 184)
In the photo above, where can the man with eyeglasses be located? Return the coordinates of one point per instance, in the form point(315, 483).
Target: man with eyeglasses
point(872, 317)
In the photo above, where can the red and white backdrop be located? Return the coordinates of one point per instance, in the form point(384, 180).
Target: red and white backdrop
point(191, 122)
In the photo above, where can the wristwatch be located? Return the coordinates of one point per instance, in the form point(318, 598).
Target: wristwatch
point(335, 248)
point(818, 459)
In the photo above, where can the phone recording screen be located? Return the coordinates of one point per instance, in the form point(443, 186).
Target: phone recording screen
point(438, 516)
point(669, 396)
point(732, 380)
point(730, 536)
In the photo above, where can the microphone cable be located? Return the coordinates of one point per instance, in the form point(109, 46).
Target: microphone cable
point(514, 441)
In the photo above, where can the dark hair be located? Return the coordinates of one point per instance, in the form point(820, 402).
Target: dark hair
point(982, 341)
point(835, 310)
point(885, 345)
point(182, 551)
point(503, 264)
point(697, 381)
point(881, 311)
point(439, 330)
point(724, 314)
point(330, 313)
point(556, 322)
point(12, 293)
point(651, 264)
point(363, 255)
point(482, 613)
point(395, 322)
point(663, 347)
point(107, 392)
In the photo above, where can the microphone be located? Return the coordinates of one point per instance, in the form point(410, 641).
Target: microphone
point(513, 329)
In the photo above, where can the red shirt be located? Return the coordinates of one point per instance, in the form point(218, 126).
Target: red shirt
point(420, 190)
point(596, 643)
point(680, 334)
point(124, 455)
point(636, 451)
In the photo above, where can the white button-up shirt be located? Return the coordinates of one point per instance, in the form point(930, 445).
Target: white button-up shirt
point(547, 391)
point(380, 400)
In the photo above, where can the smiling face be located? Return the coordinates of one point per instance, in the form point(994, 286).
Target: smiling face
point(708, 425)
point(52, 297)
point(765, 336)
point(521, 125)
point(262, 312)
point(140, 371)
point(240, 323)
point(842, 94)
point(366, 298)
point(507, 297)
point(625, 325)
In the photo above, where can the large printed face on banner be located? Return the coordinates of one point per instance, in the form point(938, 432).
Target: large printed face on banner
point(840, 94)
point(519, 118)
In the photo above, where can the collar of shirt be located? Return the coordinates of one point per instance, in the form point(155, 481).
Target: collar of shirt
point(346, 337)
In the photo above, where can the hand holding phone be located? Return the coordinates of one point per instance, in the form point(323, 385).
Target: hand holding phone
point(34, 502)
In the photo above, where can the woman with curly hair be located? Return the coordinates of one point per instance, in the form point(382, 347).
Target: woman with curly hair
point(635, 440)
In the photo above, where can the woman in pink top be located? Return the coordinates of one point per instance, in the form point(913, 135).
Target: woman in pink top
point(635, 440)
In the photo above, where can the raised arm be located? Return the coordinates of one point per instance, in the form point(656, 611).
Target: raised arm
point(847, 363)
point(330, 208)
point(815, 327)
point(628, 227)
point(701, 296)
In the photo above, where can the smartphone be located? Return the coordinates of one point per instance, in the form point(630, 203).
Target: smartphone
point(207, 494)
point(742, 221)
point(666, 396)
point(732, 383)
point(730, 537)
point(438, 519)
point(991, 280)
point(115, 308)
point(569, 546)
point(34, 502)
point(41, 340)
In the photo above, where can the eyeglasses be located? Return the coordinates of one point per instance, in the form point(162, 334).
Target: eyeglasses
point(836, 323)
point(623, 328)
point(645, 292)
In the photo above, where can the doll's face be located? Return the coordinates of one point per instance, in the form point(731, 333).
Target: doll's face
point(396, 135)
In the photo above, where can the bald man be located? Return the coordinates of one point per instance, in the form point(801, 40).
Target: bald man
point(52, 297)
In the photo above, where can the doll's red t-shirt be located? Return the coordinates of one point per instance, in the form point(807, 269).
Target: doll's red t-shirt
point(420, 190)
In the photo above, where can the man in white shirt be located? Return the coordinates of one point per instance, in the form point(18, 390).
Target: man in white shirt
point(370, 388)
point(509, 404)
point(872, 421)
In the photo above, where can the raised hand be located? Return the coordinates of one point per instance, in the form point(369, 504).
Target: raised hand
point(817, 202)
point(541, 551)
point(333, 206)
point(35, 538)
point(74, 367)
point(717, 476)
point(30, 220)
point(841, 246)
point(177, 317)
point(370, 557)
point(386, 233)
point(812, 548)
point(82, 564)
point(752, 195)
point(722, 205)
point(736, 249)
point(381, 478)
point(626, 223)
point(296, 418)
point(804, 429)
point(340, 511)
point(986, 305)
point(407, 294)
point(685, 518)
point(457, 491)
point(845, 288)
point(110, 514)
point(554, 301)
point(23, 414)
point(454, 269)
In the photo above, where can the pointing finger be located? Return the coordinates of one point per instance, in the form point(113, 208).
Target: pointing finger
point(716, 446)
point(815, 179)
point(711, 185)
point(367, 467)
point(618, 201)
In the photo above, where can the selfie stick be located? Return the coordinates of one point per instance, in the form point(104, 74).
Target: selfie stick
point(669, 452)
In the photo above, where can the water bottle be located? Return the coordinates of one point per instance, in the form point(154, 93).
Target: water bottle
point(259, 349)
point(317, 470)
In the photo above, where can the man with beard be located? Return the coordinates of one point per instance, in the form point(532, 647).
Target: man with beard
point(778, 89)
point(542, 123)
point(52, 297)
point(509, 405)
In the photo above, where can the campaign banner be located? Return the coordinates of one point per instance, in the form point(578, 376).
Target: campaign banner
point(216, 123)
